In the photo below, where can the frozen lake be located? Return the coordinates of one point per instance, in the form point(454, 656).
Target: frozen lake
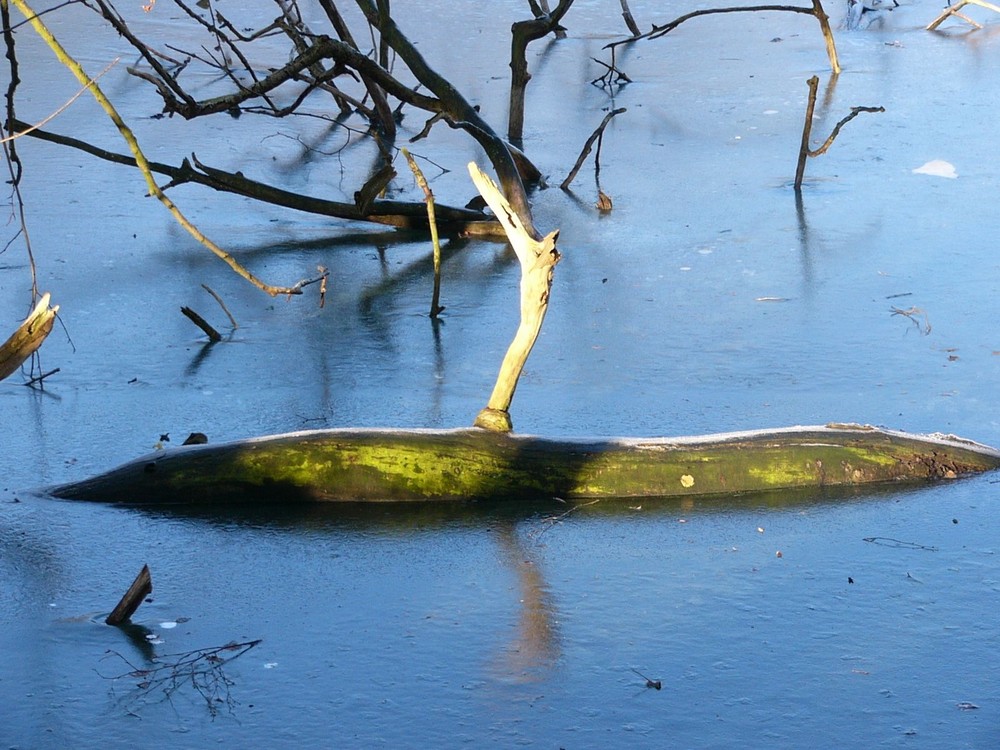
point(708, 300)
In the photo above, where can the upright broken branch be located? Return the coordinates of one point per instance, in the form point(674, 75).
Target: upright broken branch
point(537, 259)
point(805, 151)
point(522, 34)
point(141, 587)
point(418, 175)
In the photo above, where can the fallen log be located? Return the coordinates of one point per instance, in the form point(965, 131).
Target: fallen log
point(477, 464)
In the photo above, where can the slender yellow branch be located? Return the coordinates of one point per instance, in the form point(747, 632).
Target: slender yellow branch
point(140, 158)
point(435, 241)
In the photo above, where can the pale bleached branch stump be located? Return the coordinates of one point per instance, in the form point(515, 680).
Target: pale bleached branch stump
point(537, 257)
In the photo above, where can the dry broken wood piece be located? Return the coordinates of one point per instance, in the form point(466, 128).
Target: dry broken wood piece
point(28, 337)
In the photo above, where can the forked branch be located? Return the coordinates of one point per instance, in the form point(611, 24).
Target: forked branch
point(537, 259)
point(805, 151)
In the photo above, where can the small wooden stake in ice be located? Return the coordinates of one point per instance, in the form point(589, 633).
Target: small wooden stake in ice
point(141, 587)
point(537, 257)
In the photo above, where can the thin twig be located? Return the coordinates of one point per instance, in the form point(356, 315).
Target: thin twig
point(39, 378)
point(553, 520)
point(816, 11)
point(855, 111)
point(588, 145)
point(63, 108)
point(202, 670)
point(222, 304)
point(140, 158)
point(913, 313)
point(436, 308)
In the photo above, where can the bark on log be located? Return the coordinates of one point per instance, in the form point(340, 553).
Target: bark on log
point(474, 464)
point(28, 337)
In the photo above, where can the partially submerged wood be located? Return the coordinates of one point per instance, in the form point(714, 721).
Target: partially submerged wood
point(397, 465)
point(804, 149)
point(141, 587)
point(28, 337)
point(213, 335)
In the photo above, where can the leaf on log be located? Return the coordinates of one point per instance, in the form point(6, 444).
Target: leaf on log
point(28, 337)
point(395, 465)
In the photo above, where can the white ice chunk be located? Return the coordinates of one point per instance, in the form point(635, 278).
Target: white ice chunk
point(937, 168)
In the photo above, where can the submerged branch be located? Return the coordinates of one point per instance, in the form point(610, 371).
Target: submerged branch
point(805, 152)
point(403, 215)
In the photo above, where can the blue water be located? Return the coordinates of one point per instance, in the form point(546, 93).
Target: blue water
point(706, 301)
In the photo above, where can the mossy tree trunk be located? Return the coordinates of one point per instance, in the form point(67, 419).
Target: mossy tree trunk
point(471, 464)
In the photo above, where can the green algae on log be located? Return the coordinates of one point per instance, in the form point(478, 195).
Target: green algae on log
point(397, 465)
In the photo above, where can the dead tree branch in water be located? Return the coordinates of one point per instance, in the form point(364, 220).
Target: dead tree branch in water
point(805, 152)
point(629, 20)
point(28, 337)
point(537, 259)
point(141, 587)
point(612, 75)
point(954, 10)
point(418, 175)
point(140, 159)
point(319, 63)
point(203, 670)
point(522, 34)
point(816, 11)
point(214, 336)
point(222, 304)
point(403, 215)
point(598, 136)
